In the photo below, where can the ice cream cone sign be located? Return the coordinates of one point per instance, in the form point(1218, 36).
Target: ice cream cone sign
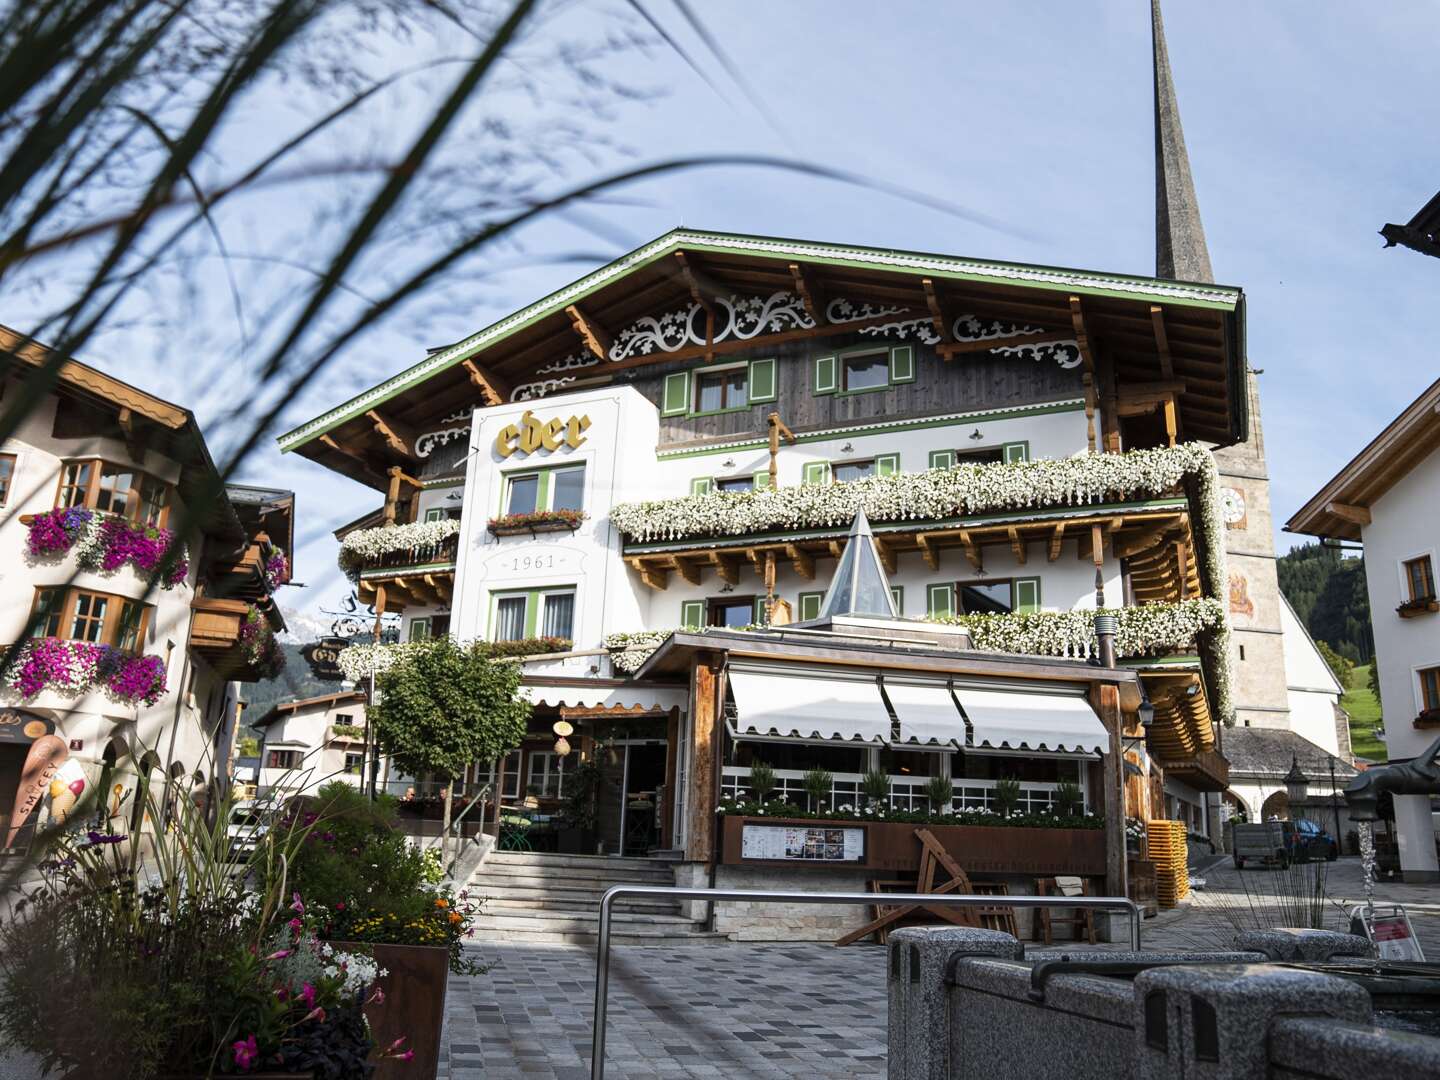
point(42, 763)
point(65, 790)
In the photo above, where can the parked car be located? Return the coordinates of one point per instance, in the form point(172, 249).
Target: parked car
point(1306, 840)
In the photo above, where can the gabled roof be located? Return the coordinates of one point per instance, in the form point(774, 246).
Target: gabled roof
point(1268, 752)
point(1338, 509)
point(280, 709)
point(1204, 325)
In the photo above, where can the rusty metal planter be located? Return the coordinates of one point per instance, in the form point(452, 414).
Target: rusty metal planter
point(414, 1006)
point(981, 849)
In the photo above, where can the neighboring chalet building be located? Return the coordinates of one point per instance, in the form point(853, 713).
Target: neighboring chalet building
point(309, 742)
point(117, 686)
point(1386, 497)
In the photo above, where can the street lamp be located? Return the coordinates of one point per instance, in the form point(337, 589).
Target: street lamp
point(1297, 787)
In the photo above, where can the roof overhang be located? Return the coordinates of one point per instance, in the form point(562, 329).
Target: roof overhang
point(1341, 508)
point(1151, 329)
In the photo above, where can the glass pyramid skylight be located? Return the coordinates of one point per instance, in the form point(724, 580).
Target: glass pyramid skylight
point(860, 586)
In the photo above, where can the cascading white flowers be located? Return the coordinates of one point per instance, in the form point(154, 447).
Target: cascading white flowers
point(364, 545)
point(358, 662)
point(939, 494)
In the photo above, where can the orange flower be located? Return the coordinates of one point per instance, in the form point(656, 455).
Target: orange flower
point(441, 902)
point(454, 918)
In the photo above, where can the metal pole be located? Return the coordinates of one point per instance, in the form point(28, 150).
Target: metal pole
point(602, 954)
point(624, 796)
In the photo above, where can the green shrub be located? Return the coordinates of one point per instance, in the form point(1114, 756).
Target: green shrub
point(817, 784)
point(1007, 796)
point(940, 793)
point(1069, 800)
point(762, 780)
point(582, 792)
point(876, 786)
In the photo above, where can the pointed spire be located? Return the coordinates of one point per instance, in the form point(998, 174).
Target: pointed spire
point(860, 586)
point(1180, 252)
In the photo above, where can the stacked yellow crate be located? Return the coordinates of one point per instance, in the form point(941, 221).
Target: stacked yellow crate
point(1165, 847)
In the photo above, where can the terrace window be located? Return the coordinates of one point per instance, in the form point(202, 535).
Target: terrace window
point(560, 488)
point(282, 759)
point(97, 618)
point(865, 371)
point(7, 477)
point(734, 483)
point(547, 774)
point(717, 391)
point(1420, 579)
point(1430, 690)
point(521, 615)
point(114, 489)
point(354, 764)
point(731, 611)
point(845, 471)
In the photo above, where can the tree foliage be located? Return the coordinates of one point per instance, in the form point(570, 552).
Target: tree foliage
point(1329, 595)
point(445, 705)
point(1342, 667)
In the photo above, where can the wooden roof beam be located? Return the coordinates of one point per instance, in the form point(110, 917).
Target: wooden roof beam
point(972, 550)
point(493, 389)
point(592, 335)
point(808, 289)
point(937, 310)
point(1017, 545)
point(888, 557)
point(688, 571)
point(727, 567)
point(1356, 515)
point(397, 437)
point(443, 586)
point(130, 429)
point(656, 577)
point(801, 560)
point(1162, 341)
point(1056, 539)
point(369, 466)
point(929, 551)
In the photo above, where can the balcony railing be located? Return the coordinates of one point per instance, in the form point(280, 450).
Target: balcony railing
point(1204, 770)
point(906, 792)
point(439, 553)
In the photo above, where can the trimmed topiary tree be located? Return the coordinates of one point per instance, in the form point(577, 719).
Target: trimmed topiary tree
point(443, 705)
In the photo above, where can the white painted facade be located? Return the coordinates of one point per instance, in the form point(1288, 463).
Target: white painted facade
point(1311, 686)
point(1405, 525)
point(306, 745)
point(177, 737)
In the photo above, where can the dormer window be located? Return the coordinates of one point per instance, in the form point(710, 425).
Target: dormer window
point(114, 489)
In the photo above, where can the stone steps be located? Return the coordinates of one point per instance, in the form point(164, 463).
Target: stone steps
point(541, 898)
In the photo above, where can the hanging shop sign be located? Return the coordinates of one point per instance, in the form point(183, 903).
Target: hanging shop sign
point(19, 726)
point(42, 765)
point(323, 656)
point(532, 434)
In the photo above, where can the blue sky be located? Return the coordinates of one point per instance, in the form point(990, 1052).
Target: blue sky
point(1306, 125)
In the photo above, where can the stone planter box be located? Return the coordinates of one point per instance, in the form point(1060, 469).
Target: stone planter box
point(532, 528)
point(891, 846)
point(414, 988)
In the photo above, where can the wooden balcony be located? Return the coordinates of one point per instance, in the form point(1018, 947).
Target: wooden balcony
point(421, 576)
point(241, 578)
point(1204, 770)
point(1155, 537)
point(345, 733)
point(215, 624)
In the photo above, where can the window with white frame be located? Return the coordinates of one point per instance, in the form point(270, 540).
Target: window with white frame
point(507, 782)
point(533, 613)
point(547, 775)
point(534, 491)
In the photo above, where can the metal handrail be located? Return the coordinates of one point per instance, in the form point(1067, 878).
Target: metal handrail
point(602, 951)
point(455, 821)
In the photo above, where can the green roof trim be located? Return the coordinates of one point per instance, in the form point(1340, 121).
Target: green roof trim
point(1082, 282)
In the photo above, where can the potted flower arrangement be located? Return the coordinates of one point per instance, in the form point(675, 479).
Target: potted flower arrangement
point(73, 668)
point(536, 521)
point(379, 895)
point(160, 957)
point(105, 542)
point(261, 648)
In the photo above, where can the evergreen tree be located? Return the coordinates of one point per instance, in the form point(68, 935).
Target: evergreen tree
point(1329, 596)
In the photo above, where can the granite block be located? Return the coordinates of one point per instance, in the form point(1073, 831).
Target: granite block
point(1294, 945)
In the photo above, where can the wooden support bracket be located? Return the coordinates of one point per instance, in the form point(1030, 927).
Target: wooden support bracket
point(592, 335)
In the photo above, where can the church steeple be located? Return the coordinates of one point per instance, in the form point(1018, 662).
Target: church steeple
point(1180, 252)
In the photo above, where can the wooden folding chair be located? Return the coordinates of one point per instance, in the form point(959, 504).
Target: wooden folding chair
point(1081, 919)
point(999, 917)
point(932, 855)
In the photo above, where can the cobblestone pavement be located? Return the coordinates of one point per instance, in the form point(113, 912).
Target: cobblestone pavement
point(711, 1010)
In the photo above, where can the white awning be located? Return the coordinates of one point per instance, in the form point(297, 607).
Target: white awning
point(927, 712)
point(628, 698)
point(817, 705)
point(1033, 721)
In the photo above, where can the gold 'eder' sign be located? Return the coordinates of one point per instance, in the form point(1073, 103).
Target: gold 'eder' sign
point(531, 434)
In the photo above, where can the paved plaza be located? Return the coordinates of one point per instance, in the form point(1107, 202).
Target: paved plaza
point(777, 1009)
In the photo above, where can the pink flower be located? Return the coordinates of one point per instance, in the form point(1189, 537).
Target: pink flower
point(296, 926)
point(340, 905)
point(377, 998)
point(298, 905)
point(278, 954)
point(408, 1055)
point(396, 1044)
point(314, 1014)
point(307, 994)
point(246, 1052)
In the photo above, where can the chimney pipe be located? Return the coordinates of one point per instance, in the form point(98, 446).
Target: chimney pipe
point(1106, 626)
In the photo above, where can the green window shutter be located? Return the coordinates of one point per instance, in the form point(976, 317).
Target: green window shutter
point(762, 380)
point(761, 612)
point(823, 381)
point(692, 614)
point(1016, 451)
point(939, 601)
point(542, 491)
point(887, 464)
point(762, 480)
point(816, 473)
point(1027, 594)
point(942, 459)
point(897, 594)
point(902, 364)
point(676, 397)
point(810, 605)
point(419, 629)
point(532, 612)
point(435, 513)
point(702, 485)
